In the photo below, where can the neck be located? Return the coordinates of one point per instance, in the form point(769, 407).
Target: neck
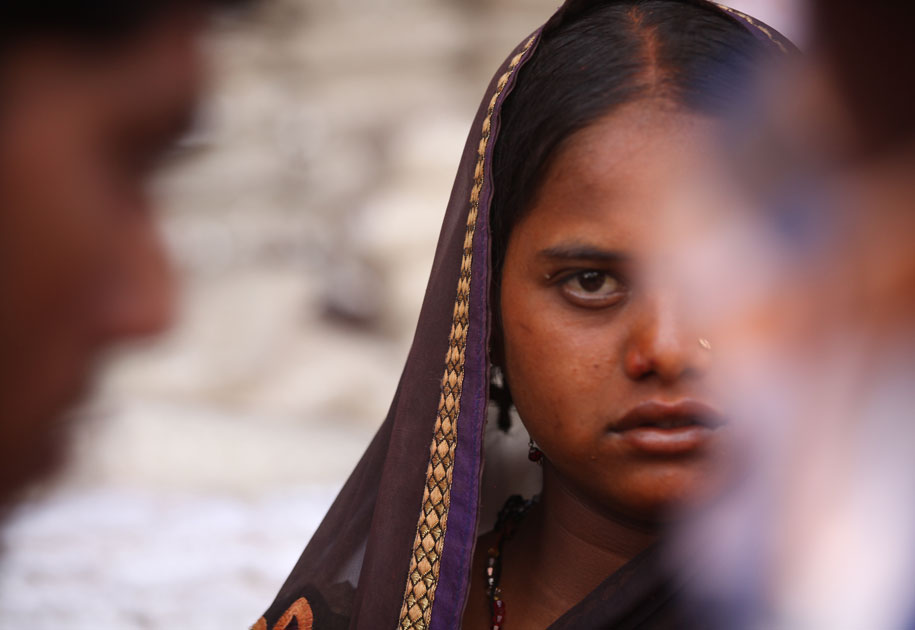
point(573, 546)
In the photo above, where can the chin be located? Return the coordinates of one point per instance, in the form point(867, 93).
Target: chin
point(33, 459)
point(34, 446)
point(664, 493)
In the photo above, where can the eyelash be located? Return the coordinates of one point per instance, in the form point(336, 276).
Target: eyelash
point(580, 297)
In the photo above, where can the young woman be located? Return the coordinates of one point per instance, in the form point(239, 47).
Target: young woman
point(541, 283)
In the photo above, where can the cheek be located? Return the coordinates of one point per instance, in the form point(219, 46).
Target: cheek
point(561, 369)
point(48, 232)
point(51, 250)
point(59, 223)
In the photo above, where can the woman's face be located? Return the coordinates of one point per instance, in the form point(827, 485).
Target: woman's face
point(605, 370)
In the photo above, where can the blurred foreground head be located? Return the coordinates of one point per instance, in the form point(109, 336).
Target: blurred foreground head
point(94, 94)
point(810, 287)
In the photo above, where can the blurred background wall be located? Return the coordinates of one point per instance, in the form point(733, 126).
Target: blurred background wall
point(303, 220)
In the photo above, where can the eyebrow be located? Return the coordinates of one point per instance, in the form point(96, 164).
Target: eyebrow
point(578, 251)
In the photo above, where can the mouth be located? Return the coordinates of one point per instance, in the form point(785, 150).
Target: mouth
point(658, 428)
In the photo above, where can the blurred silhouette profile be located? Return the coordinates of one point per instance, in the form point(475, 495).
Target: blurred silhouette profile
point(95, 94)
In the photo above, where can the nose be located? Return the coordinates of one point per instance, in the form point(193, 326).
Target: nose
point(139, 296)
point(661, 346)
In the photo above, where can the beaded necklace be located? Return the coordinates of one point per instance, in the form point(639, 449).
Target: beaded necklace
point(510, 516)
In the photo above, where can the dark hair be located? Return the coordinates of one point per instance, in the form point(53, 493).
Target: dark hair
point(688, 53)
point(96, 22)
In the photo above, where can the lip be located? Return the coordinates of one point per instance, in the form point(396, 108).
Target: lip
point(658, 428)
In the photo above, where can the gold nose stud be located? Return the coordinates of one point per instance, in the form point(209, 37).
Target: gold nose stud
point(704, 343)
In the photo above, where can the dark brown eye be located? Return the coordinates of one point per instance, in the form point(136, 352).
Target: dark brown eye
point(592, 281)
point(592, 288)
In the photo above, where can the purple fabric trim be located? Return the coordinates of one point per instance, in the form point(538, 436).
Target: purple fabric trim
point(460, 537)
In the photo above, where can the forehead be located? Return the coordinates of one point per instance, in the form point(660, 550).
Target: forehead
point(162, 65)
point(617, 176)
point(157, 68)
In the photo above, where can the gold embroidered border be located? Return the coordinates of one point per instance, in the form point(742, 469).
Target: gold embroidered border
point(765, 31)
point(416, 612)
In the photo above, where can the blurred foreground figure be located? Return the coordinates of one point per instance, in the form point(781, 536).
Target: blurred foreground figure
point(94, 94)
point(812, 289)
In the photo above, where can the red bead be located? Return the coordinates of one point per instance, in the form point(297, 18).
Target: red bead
point(535, 454)
point(498, 613)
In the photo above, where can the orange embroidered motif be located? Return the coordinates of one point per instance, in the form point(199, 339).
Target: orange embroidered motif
point(300, 612)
